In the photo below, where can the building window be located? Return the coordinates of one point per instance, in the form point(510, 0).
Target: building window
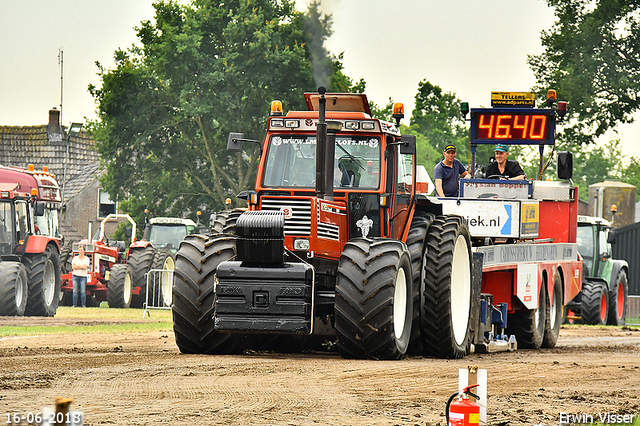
point(105, 205)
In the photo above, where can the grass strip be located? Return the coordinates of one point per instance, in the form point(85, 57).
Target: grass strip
point(39, 330)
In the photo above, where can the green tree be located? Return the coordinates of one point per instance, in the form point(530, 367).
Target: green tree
point(592, 58)
point(437, 116)
point(203, 70)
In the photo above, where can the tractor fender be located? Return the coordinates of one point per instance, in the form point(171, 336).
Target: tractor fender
point(617, 265)
point(38, 244)
point(139, 244)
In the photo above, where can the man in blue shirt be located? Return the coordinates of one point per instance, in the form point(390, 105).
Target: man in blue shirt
point(448, 172)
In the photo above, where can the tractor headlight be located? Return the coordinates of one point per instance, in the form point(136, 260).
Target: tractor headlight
point(301, 244)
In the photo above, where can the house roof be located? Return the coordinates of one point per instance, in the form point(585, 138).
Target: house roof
point(84, 178)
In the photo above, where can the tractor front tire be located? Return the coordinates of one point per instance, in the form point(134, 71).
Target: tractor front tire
point(193, 282)
point(119, 286)
point(618, 299)
point(140, 262)
point(553, 316)
point(14, 288)
point(445, 302)
point(416, 243)
point(44, 282)
point(595, 302)
point(374, 299)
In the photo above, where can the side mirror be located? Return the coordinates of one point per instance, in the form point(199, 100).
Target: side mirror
point(234, 143)
point(128, 231)
point(408, 144)
point(39, 208)
point(611, 238)
point(565, 165)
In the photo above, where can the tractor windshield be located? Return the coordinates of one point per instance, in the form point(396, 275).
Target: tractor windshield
point(291, 162)
point(6, 226)
point(586, 245)
point(167, 236)
point(48, 224)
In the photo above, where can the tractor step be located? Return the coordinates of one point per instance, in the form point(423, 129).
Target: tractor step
point(264, 299)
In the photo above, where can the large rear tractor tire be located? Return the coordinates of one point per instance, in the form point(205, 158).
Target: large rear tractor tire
point(193, 281)
point(230, 224)
point(66, 256)
point(43, 270)
point(163, 259)
point(595, 302)
point(553, 317)
point(618, 299)
point(445, 302)
point(14, 288)
point(374, 299)
point(416, 243)
point(220, 221)
point(140, 262)
point(528, 325)
point(119, 286)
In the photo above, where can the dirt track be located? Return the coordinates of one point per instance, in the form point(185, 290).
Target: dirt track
point(142, 379)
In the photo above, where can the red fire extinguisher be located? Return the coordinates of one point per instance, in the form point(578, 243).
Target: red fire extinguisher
point(463, 412)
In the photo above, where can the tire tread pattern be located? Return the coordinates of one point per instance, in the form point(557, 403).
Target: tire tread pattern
point(365, 287)
point(193, 282)
point(140, 262)
point(115, 286)
point(436, 317)
point(36, 266)
point(9, 274)
point(592, 292)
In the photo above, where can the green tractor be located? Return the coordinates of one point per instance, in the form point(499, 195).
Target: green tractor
point(605, 280)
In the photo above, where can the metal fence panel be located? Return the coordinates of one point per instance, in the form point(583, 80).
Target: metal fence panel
point(158, 294)
point(633, 311)
point(627, 247)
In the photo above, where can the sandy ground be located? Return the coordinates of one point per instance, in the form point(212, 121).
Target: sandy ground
point(142, 379)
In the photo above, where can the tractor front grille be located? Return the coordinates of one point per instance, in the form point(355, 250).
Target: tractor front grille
point(297, 213)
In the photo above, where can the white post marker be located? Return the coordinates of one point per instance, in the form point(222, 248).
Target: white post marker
point(481, 390)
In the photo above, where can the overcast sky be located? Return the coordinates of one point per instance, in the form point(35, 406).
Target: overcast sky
point(468, 47)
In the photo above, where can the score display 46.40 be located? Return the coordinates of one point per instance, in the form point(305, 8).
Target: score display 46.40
point(525, 127)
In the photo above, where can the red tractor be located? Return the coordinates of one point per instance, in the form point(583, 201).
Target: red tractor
point(111, 276)
point(29, 242)
point(341, 242)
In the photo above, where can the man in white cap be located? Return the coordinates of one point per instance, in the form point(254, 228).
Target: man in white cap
point(503, 168)
point(448, 172)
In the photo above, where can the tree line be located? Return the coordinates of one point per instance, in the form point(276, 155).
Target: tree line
point(204, 69)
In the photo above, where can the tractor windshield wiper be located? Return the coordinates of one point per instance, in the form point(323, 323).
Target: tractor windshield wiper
point(353, 159)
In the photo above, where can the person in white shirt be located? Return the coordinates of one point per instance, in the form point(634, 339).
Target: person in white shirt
point(80, 267)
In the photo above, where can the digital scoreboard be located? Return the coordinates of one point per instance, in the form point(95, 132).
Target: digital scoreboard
point(512, 126)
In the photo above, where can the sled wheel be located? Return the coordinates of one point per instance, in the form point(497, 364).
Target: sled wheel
point(446, 289)
point(374, 299)
point(553, 313)
point(528, 325)
point(193, 285)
